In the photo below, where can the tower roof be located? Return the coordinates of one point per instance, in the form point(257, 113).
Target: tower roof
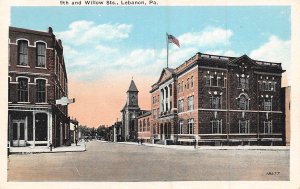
point(132, 87)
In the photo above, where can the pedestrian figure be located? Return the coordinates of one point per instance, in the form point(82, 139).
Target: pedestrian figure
point(141, 141)
point(76, 142)
point(138, 141)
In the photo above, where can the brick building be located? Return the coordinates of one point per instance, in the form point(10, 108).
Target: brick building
point(219, 100)
point(37, 78)
point(143, 126)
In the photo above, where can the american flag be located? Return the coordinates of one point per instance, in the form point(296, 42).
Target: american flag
point(172, 39)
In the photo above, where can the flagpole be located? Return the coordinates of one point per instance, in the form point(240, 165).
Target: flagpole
point(167, 50)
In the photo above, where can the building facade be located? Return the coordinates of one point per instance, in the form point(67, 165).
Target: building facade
point(37, 78)
point(219, 100)
point(144, 122)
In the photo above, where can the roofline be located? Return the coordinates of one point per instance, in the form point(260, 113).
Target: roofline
point(25, 30)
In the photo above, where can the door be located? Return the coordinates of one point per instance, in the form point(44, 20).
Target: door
point(18, 128)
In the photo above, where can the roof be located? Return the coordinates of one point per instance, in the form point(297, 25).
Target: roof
point(132, 87)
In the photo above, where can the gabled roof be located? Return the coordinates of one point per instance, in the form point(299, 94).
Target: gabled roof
point(166, 71)
point(132, 87)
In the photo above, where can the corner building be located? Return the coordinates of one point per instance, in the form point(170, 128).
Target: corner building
point(37, 78)
point(219, 100)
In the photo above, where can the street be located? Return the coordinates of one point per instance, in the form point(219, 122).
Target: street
point(123, 162)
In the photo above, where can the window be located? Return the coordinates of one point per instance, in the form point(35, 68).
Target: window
point(243, 83)
point(23, 90)
point(141, 129)
point(148, 124)
point(216, 126)
point(191, 126)
point(188, 83)
point(144, 125)
point(41, 90)
point(244, 126)
point(178, 88)
point(192, 82)
point(267, 104)
point(220, 81)
point(215, 102)
point(267, 86)
point(40, 55)
point(190, 102)
point(214, 81)
point(207, 80)
point(22, 53)
point(268, 127)
point(243, 103)
point(180, 105)
point(180, 129)
point(182, 86)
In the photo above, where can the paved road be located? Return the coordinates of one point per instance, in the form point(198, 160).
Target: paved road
point(123, 162)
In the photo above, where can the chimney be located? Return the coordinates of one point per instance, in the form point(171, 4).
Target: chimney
point(50, 30)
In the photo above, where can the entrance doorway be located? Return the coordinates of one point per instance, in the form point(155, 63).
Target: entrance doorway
point(18, 128)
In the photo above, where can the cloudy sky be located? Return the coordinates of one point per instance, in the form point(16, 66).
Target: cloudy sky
point(104, 47)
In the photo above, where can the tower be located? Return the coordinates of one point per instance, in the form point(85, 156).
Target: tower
point(130, 111)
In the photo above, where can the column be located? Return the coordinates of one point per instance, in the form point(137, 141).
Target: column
point(33, 127)
point(165, 96)
point(169, 102)
point(49, 114)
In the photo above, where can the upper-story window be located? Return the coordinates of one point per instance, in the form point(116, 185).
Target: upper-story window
point(23, 89)
point(40, 54)
point(192, 82)
point(215, 102)
point(40, 90)
point(178, 88)
point(243, 103)
point(182, 86)
point(243, 83)
point(215, 80)
point(190, 102)
point(267, 85)
point(188, 83)
point(22, 53)
point(267, 104)
point(180, 105)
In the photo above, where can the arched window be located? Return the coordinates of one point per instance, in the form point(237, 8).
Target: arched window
point(40, 54)
point(188, 83)
point(148, 125)
point(140, 126)
point(144, 125)
point(22, 89)
point(22, 53)
point(40, 90)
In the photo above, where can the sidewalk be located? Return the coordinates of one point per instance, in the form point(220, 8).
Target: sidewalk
point(45, 149)
point(181, 147)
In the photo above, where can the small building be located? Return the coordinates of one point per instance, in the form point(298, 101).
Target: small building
point(144, 130)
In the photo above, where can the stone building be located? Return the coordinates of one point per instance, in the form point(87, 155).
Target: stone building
point(129, 112)
point(219, 100)
point(37, 78)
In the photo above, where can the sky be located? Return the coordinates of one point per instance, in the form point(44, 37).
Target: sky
point(104, 47)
